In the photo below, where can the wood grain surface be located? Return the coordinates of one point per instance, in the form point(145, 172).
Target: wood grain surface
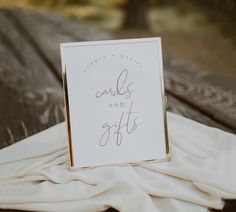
point(31, 97)
point(31, 86)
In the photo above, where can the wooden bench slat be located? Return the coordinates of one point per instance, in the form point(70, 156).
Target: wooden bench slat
point(44, 35)
point(178, 107)
point(78, 30)
point(190, 86)
point(41, 27)
point(48, 31)
point(31, 97)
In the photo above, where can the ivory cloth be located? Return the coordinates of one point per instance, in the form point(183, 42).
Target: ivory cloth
point(34, 174)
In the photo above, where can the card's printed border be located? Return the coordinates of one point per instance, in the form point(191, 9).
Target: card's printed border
point(66, 96)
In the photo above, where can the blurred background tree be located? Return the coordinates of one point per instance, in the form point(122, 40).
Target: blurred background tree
point(135, 14)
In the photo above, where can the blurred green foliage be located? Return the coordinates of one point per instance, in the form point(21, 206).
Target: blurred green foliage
point(51, 3)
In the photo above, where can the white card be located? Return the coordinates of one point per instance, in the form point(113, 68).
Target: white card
point(114, 96)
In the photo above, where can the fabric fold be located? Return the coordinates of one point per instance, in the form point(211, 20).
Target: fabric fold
point(35, 174)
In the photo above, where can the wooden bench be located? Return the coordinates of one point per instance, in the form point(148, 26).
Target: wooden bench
point(31, 87)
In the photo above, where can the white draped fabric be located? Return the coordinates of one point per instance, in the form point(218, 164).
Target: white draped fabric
point(35, 175)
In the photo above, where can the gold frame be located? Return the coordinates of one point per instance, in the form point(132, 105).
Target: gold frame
point(67, 115)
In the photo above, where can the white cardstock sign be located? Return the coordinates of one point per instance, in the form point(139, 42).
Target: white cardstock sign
point(115, 105)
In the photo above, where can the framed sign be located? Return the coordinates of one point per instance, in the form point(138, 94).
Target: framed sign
point(114, 102)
